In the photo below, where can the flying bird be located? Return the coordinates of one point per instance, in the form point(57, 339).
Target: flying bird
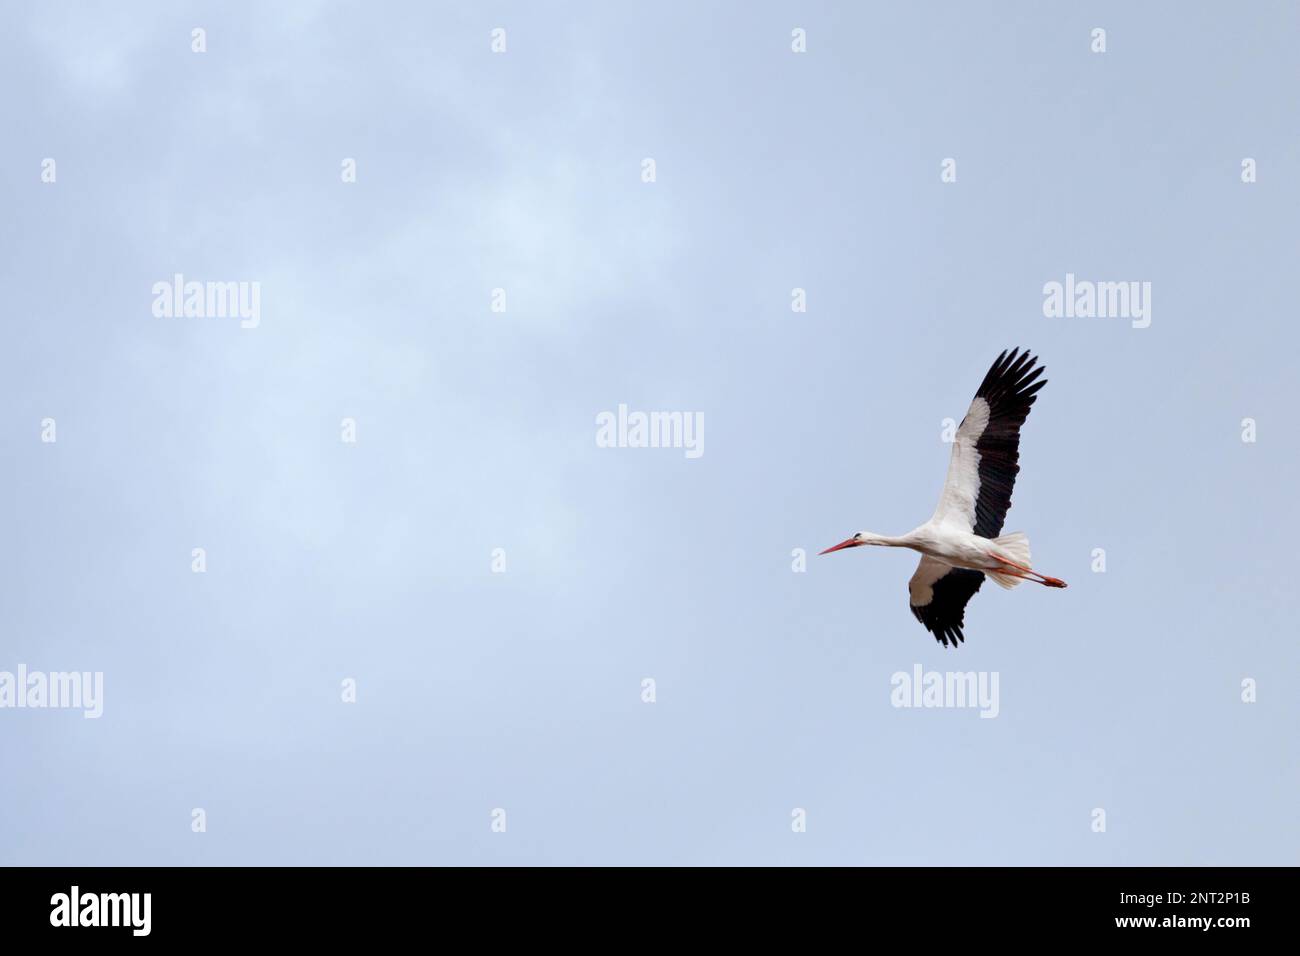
point(962, 543)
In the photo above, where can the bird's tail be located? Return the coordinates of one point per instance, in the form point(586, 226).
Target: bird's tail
point(1016, 547)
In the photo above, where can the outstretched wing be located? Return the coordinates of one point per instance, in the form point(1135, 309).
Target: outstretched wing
point(939, 593)
point(986, 452)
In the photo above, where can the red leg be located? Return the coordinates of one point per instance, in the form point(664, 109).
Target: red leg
point(1038, 578)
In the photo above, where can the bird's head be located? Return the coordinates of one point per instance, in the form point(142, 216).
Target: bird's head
point(857, 541)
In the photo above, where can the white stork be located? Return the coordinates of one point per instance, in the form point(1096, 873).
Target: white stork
point(960, 544)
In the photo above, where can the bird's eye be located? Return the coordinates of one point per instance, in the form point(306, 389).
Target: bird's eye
point(858, 536)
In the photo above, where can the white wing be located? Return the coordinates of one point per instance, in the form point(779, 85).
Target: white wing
point(986, 451)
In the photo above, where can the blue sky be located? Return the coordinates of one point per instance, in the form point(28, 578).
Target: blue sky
point(476, 431)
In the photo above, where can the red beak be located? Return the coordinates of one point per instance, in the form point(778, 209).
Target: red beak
point(850, 543)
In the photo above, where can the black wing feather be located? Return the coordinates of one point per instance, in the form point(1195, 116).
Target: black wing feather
point(945, 613)
point(1010, 389)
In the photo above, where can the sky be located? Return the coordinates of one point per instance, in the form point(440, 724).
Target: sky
point(430, 644)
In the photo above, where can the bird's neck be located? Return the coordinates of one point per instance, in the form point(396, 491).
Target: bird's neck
point(883, 540)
